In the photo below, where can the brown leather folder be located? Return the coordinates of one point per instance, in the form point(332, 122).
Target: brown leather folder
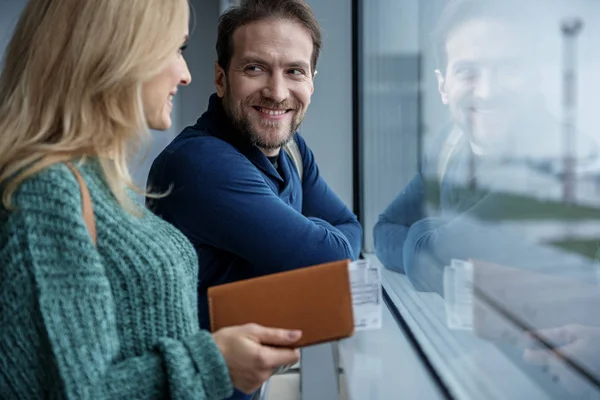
point(316, 300)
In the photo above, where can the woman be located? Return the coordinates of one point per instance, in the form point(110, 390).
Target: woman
point(110, 314)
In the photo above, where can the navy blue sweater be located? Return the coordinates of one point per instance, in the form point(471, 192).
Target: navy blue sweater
point(244, 217)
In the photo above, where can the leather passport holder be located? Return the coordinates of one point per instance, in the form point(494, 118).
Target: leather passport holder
point(317, 300)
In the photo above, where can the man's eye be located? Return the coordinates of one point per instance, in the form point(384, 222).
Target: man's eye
point(466, 73)
point(253, 68)
point(296, 72)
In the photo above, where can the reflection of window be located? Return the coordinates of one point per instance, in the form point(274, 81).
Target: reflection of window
point(390, 117)
point(534, 254)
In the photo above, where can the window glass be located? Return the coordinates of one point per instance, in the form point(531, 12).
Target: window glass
point(481, 186)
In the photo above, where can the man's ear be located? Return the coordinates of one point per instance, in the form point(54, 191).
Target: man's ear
point(441, 86)
point(312, 84)
point(220, 80)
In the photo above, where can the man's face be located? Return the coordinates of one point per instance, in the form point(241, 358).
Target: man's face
point(269, 83)
point(487, 83)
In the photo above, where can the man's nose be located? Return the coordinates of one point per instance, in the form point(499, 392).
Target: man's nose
point(276, 88)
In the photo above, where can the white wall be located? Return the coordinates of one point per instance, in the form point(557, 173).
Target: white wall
point(9, 13)
point(328, 124)
point(191, 101)
point(200, 56)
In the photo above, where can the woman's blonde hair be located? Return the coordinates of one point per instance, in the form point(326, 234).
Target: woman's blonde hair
point(71, 86)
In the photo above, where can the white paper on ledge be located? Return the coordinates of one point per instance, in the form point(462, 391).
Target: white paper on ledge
point(365, 284)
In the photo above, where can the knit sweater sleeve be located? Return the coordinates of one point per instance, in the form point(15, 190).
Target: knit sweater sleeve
point(75, 308)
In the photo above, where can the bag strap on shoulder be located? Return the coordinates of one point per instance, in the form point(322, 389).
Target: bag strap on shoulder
point(292, 150)
point(448, 148)
point(86, 204)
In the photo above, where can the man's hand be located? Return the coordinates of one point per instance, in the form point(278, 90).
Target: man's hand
point(251, 356)
point(579, 343)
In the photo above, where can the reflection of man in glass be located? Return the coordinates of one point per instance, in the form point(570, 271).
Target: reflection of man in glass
point(484, 77)
point(487, 79)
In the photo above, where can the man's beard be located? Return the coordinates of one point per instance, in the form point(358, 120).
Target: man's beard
point(243, 124)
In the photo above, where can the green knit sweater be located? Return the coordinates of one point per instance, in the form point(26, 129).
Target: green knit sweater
point(116, 322)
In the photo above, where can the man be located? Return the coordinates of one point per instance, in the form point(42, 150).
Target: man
point(246, 206)
point(487, 79)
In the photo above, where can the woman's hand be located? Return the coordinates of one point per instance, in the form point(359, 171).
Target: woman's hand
point(252, 352)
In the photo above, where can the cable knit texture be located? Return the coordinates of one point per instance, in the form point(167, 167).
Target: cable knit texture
point(116, 322)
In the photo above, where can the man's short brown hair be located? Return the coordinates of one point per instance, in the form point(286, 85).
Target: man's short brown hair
point(458, 12)
point(250, 11)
